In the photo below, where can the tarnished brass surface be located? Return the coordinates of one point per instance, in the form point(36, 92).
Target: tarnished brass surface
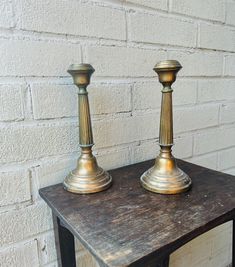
point(165, 177)
point(88, 177)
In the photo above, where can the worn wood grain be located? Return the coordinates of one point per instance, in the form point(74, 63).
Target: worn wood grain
point(129, 226)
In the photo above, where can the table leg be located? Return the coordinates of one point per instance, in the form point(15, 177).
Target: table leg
point(64, 241)
point(164, 262)
point(233, 255)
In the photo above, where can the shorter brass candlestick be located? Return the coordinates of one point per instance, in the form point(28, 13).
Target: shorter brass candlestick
point(88, 177)
point(165, 177)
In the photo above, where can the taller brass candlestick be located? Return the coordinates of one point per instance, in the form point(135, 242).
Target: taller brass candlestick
point(88, 177)
point(165, 177)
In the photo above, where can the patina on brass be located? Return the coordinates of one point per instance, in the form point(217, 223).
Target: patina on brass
point(165, 177)
point(88, 177)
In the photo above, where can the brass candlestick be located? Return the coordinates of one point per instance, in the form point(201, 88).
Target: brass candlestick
point(165, 177)
point(88, 177)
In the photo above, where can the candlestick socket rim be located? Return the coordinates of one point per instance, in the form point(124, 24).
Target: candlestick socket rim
point(80, 68)
point(167, 65)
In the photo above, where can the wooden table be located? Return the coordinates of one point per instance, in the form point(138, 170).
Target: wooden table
point(129, 226)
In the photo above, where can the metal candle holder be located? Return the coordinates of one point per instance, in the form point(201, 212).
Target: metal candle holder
point(165, 177)
point(88, 177)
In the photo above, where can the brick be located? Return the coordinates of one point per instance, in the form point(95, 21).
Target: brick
point(109, 98)
point(198, 63)
point(202, 249)
point(158, 4)
point(123, 61)
point(147, 95)
point(54, 101)
point(18, 225)
point(229, 68)
point(57, 100)
point(144, 150)
point(46, 248)
point(214, 139)
point(227, 112)
point(185, 92)
point(216, 90)
point(182, 256)
point(230, 11)
point(182, 261)
point(206, 9)
point(125, 130)
point(37, 58)
point(222, 258)
point(25, 255)
point(54, 171)
point(197, 117)
point(150, 149)
point(216, 37)
point(171, 31)
point(14, 187)
point(222, 238)
point(6, 11)
point(78, 19)
point(208, 161)
point(226, 158)
point(207, 246)
point(36, 141)
point(11, 102)
point(114, 158)
point(183, 146)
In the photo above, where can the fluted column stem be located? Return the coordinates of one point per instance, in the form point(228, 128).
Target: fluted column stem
point(166, 119)
point(85, 128)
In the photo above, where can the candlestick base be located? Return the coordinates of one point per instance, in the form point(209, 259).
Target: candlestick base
point(88, 177)
point(165, 177)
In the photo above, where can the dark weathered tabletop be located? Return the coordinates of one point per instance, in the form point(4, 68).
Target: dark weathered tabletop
point(127, 224)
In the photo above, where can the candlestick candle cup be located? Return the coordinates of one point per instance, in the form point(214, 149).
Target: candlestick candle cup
point(165, 177)
point(88, 177)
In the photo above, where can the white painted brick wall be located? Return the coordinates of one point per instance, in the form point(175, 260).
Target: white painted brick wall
point(121, 61)
point(216, 37)
point(78, 19)
point(34, 141)
point(229, 67)
point(199, 63)
point(230, 19)
point(123, 40)
point(170, 30)
point(216, 90)
point(227, 113)
point(14, 187)
point(158, 4)
point(24, 254)
point(151, 92)
point(206, 141)
point(205, 9)
point(6, 10)
point(17, 225)
point(11, 102)
point(36, 58)
point(203, 116)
